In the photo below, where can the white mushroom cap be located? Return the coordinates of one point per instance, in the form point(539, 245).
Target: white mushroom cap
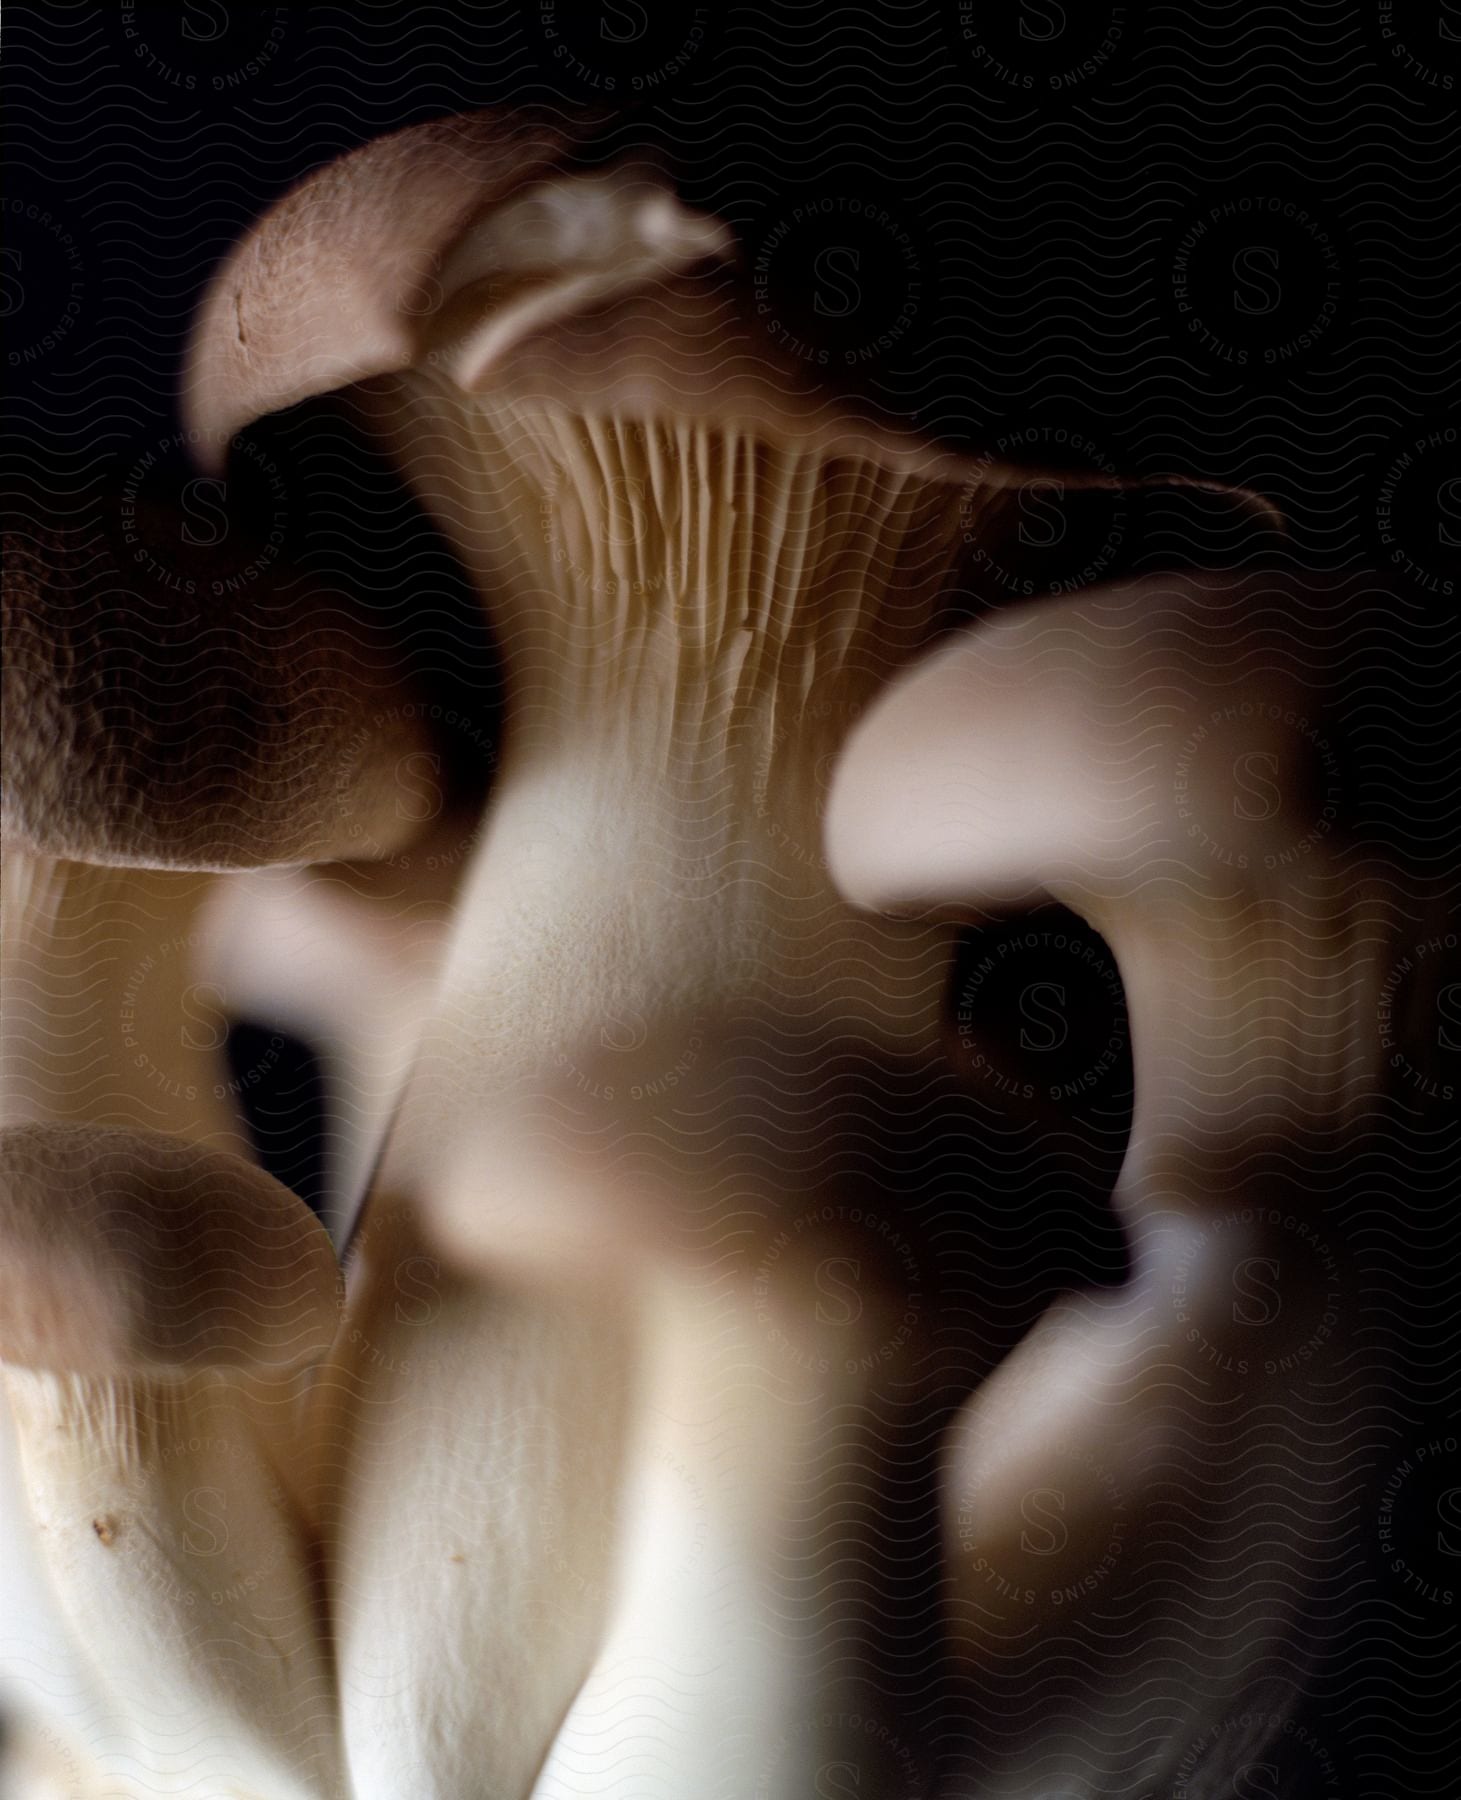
point(127, 1253)
point(1158, 757)
point(1043, 753)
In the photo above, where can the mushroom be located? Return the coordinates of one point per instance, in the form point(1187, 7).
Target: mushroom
point(700, 568)
point(153, 739)
point(460, 1643)
point(195, 731)
point(1168, 758)
point(658, 1030)
point(162, 1306)
point(346, 957)
point(52, 1702)
point(105, 1014)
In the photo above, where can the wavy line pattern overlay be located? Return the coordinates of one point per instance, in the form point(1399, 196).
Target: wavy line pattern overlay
point(730, 941)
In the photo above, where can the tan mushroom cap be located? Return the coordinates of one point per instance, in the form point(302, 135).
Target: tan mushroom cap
point(473, 249)
point(197, 733)
point(339, 281)
point(126, 1253)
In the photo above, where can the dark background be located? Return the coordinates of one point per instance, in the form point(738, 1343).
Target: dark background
point(1196, 238)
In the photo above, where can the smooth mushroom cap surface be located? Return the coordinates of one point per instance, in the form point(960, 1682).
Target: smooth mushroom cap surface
point(128, 1253)
point(1175, 758)
point(1080, 747)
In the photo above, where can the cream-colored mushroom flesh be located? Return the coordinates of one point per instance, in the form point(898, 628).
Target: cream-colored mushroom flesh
point(162, 1307)
point(641, 1094)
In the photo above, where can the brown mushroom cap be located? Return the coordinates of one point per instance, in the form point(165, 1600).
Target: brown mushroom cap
point(336, 282)
point(127, 1253)
point(196, 733)
point(471, 247)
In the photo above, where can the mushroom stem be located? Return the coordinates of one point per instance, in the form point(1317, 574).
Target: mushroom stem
point(675, 706)
point(106, 1014)
point(53, 1703)
point(740, 1657)
point(486, 1423)
point(346, 958)
point(648, 961)
point(175, 1549)
point(162, 1307)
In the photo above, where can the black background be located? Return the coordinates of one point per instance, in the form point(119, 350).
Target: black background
point(1199, 238)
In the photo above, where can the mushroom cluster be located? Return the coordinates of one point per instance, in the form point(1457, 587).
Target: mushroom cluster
point(570, 1473)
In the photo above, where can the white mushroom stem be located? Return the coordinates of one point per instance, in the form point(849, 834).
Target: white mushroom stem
point(162, 1306)
point(459, 1429)
point(651, 873)
point(347, 958)
point(753, 1467)
point(52, 1698)
point(1164, 758)
point(748, 1512)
